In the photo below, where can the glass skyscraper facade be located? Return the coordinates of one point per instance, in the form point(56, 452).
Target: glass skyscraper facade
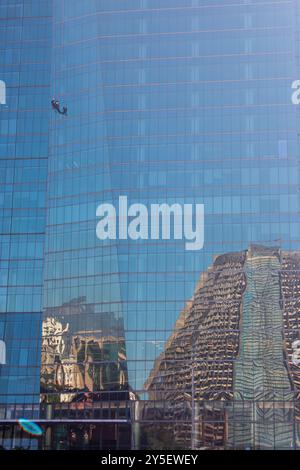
point(141, 343)
point(25, 51)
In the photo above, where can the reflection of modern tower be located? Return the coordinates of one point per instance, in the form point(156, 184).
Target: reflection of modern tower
point(235, 367)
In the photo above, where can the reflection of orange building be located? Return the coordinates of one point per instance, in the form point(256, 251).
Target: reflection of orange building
point(91, 364)
point(225, 372)
point(84, 390)
point(77, 358)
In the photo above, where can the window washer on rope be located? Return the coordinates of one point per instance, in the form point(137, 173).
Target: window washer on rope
point(56, 106)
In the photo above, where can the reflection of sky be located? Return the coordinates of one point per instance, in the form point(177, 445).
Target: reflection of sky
point(200, 118)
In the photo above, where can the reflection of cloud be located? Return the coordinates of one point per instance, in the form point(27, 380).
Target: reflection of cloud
point(157, 344)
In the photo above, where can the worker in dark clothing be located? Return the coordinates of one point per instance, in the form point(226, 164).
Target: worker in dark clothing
point(56, 106)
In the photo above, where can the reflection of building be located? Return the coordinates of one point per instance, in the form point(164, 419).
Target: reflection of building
point(230, 360)
point(76, 359)
point(94, 362)
point(290, 288)
point(82, 371)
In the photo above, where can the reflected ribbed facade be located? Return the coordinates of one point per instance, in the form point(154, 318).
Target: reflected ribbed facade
point(235, 345)
point(108, 343)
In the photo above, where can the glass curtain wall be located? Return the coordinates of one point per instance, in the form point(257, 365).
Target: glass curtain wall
point(25, 45)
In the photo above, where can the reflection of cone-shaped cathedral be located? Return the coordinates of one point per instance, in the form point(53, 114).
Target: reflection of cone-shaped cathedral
point(231, 370)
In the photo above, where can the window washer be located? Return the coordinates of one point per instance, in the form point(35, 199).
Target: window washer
point(56, 106)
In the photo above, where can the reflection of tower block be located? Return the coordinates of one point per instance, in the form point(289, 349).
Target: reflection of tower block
point(212, 426)
point(48, 367)
point(89, 357)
